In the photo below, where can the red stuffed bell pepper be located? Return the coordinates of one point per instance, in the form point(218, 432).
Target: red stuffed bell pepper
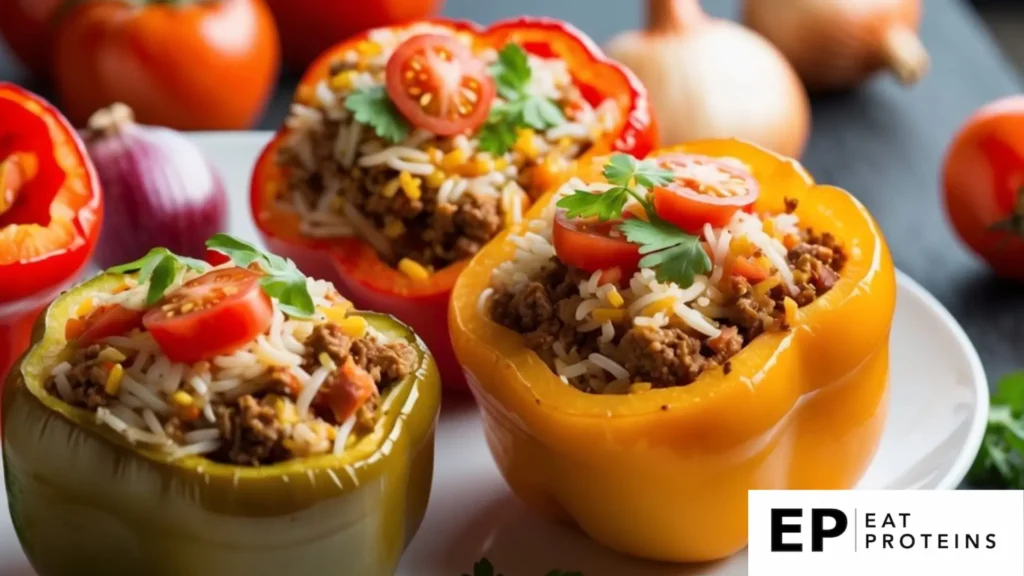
point(408, 148)
point(50, 212)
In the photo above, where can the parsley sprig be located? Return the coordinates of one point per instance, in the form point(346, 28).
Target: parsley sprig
point(160, 267)
point(675, 255)
point(483, 567)
point(282, 280)
point(1000, 462)
point(373, 107)
point(519, 107)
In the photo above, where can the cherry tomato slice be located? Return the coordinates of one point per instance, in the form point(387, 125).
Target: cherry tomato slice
point(212, 315)
point(438, 84)
point(106, 321)
point(347, 390)
point(706, 190)
point(593, 245)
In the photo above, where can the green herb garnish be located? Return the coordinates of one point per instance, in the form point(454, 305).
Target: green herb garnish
point(483, 567)
point(282, 280)
point(160, 267)
point(373, 107)
point(1000, 462)
point(512, 75)
point(676, 255)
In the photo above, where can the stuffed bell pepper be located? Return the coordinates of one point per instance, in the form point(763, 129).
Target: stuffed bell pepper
point(408, 148)
point(50, 211)
point(658, 337)
point(175, 418)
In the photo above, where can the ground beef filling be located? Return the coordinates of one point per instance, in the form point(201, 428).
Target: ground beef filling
point(433, 233)
point(544, 312)
point(251, 427)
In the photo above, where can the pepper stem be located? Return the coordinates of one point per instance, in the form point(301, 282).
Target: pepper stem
point(112, 120)
point(674, 16)
point(905, 54)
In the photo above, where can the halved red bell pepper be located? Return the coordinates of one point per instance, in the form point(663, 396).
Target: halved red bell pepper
point(367, 280)
point(50, 212)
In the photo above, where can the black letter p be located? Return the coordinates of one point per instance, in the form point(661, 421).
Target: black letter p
point(818, 532)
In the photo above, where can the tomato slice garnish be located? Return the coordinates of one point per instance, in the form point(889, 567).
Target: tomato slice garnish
point(347, 390)
point(591, 245)
point(105, 321)
point(438, 84)
point(215, 314)
point(706, 191)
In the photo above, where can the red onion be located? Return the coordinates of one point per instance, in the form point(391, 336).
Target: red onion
point(158, 189)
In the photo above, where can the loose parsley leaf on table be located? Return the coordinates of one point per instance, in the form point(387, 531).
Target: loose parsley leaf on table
point(159, 267)
point(282, 279)
point(1000, 462)
point(373, 107)
point(512, 75)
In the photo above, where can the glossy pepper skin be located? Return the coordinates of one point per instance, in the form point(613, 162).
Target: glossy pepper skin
point(50, 212)
point(664, 474)
point(83, 501)
point(357, 270)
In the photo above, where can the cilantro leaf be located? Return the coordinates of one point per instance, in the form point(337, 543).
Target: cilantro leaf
point(498, 135)
point(282, 279)
point(1000, 461)
point(541, 113)
point(676, 255)
point(372, 107)
point(512, 71)
point(622, 169)
point(605, 205)
point(159, 267)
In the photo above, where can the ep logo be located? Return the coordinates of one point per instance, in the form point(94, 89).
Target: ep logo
point(787, 527)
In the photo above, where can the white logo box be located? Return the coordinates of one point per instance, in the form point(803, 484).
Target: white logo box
point(887, 532)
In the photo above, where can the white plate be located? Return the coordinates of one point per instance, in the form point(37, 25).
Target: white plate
point(938, 408)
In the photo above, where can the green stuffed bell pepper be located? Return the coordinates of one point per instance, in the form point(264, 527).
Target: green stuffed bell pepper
point(238, 419)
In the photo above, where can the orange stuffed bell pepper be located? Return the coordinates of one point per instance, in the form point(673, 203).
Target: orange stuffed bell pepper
point(639, 369)
point(50, 212)
point(408, 148)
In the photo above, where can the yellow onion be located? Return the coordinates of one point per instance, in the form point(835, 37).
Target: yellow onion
point(158, 189)
point(837, 44)
point(712, 78)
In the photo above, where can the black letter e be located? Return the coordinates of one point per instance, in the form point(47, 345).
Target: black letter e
point(779, 528)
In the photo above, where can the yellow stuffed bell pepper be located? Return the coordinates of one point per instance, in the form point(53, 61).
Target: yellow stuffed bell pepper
point(661, 470)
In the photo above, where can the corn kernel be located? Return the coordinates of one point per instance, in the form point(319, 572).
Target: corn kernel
point(765, 286)
point(410, 185)
point(85, 307)
point(663, 305)
point(481, 166)
point(740, 246)
point(326, 361)
point(337, 312)
point(343, 81)
point(565, 143)
point(615, 299)
point(353, 326)
point(286, 411)
point(109, 354)
point(332, 433)
point(182, 398)
point(500, 163)
point(453, 160)
point(608, 315)
point(769, 227)
point(390, 188)
point(434, 154)
point(637, 387)
point(394, 228)
point(368, 48)
point(525, 144)
point(436, 178)
point(790, 306)
point(113, 384)
point(413, 269)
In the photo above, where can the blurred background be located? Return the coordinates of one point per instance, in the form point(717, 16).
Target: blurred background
point(214, 65)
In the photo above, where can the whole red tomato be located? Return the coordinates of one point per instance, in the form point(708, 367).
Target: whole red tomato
point(308, 27)
point(189, 65)
point(24, 25)
point(984, 185)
